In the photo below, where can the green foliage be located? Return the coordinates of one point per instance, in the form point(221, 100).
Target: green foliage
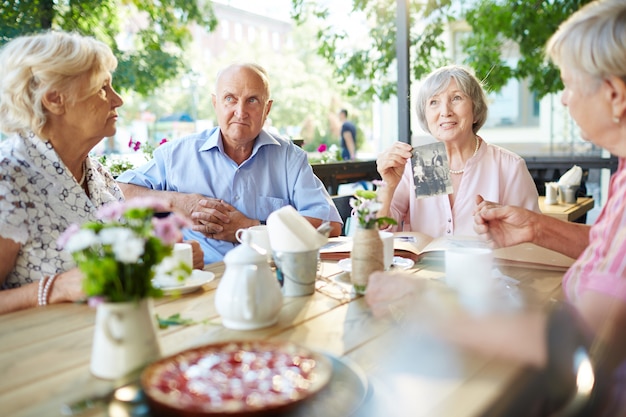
point(116, 166)
point(151, 53)
point(526, 25)
point(174, 320)
point(497, 28)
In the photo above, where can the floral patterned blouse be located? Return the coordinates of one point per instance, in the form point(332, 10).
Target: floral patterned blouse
point(39, 199)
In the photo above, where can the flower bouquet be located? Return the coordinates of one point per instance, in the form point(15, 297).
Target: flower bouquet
point(367, 246)
point(120, 253)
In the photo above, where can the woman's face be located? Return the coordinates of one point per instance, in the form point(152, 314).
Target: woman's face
point(94, 117)
point(588, 102)
point(450, 114)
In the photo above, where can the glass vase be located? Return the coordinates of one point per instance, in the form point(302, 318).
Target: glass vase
point(366, 256)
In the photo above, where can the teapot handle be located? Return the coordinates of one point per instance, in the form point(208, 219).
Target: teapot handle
point(249, 309)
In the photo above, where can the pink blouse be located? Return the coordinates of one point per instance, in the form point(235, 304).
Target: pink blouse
point(495, 173)
point(602, 266)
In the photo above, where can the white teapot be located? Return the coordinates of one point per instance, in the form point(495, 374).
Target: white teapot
point(248, 296)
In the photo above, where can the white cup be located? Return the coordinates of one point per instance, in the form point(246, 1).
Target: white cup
point(552, 193)
point(387, 238)
point(182, 252)
point(468, 270)
point(567, 194)
point(296, 272)
point(258, 237)
point(167, 272)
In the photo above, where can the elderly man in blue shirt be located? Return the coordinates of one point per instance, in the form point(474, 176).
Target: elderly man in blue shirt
point(233, 176)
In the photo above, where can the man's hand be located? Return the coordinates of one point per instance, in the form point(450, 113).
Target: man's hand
point(219, 220)
point(197, 254)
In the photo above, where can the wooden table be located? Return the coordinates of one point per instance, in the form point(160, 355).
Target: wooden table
point(45, 352)
point(568, 212)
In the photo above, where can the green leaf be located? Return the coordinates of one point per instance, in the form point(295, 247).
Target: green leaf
point(173, 320)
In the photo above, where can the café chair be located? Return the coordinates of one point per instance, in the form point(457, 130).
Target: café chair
point(342, 202)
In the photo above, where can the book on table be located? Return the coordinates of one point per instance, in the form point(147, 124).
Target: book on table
point(415, 246)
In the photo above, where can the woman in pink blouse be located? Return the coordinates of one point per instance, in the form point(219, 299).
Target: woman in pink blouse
point(452, 106)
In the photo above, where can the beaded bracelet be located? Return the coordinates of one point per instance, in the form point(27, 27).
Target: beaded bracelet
point(43, 295)
point(42, 284)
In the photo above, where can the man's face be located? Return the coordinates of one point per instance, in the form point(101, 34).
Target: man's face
point(241, 102)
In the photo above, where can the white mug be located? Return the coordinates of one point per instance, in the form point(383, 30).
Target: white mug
point(258, 237)
point(387, 238)
point(552, 193)
point(567, 194)
point(469, 271)
point(183, 252)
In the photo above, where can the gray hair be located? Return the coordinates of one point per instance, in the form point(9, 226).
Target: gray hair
point(592, 40)
point(438, 80)
point(32, 66)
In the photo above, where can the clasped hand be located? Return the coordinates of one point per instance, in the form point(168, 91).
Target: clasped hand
point(217, 219)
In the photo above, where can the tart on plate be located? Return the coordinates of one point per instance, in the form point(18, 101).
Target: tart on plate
point(243, 378)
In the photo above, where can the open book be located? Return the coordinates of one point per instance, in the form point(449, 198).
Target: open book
point(415, 245)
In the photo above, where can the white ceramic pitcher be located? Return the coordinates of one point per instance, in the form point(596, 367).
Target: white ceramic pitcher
point(124, 338)
point(248, 295)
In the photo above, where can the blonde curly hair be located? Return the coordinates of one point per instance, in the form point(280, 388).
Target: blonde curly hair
point(33, 65)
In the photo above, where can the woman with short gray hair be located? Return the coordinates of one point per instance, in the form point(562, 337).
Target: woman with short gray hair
point(451, 105)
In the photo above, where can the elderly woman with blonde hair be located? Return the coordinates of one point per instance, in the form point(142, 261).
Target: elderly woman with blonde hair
point(57, 102)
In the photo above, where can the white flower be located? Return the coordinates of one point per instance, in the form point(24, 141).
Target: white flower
point(167, 266)
point(129, 251)
point(81, 240)
point(126, 245)
point(112, 235)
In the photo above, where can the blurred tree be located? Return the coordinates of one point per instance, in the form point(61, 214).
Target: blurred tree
point(147, 36)
point(497, 27)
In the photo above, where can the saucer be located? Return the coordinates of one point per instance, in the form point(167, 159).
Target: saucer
point(197, 279)
point(398, 263)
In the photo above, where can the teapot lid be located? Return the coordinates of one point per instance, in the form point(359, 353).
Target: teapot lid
point(245, 254)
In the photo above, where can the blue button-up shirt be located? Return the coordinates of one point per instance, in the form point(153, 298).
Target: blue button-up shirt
point(276, 174)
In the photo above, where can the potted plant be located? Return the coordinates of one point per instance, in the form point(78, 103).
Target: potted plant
point(118, 256)
point(367, 246)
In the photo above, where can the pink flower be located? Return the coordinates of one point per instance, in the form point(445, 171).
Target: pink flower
point(322, 148)
point(379, 183)
point(166, 231)
point(134, 145)
point(67, 234)
point(163, 141)
point(111, 211)
point(95, 301)
point(146, 202)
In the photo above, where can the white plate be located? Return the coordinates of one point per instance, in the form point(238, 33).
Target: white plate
point(398, 263)
point(197, 279)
